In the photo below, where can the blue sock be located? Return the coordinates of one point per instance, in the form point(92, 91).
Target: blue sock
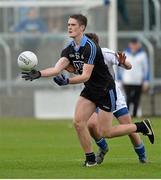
point(102, 143)
point(140, 151)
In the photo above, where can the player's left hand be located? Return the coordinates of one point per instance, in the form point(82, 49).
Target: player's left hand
point(33, 74)
point(61, 80)
point(121, 57)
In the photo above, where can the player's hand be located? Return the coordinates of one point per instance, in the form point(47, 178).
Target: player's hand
point(121, 57)
point(33, 74)
point(61, 80)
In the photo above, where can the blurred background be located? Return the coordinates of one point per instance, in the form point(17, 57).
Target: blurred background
point(41, 26)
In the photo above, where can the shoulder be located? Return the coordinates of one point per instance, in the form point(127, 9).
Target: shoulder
point(106, 50)
point(141, 54)
point(68, 45)
point(91, 45)
point(92, 49)
point(66, 50)
point(108, 53)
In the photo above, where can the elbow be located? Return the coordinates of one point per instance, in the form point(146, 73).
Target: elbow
point(86, 78)
point(56, 73)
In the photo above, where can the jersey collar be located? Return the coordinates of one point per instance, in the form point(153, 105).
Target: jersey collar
point(82, 43)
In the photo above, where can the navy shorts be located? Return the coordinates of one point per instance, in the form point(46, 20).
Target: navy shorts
point(105, 99)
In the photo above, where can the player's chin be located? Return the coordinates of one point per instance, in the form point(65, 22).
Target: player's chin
point(71, 35)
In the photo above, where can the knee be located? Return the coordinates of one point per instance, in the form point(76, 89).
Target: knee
point(106, 132)
point(78, 123)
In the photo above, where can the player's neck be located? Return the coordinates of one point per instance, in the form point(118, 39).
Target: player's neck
point(78, 40)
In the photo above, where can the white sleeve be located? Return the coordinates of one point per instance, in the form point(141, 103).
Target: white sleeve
point(109, 56)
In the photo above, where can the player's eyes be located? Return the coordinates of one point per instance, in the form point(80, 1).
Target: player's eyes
point(71, 25)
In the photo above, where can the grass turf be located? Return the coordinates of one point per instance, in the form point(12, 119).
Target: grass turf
point(31, 148)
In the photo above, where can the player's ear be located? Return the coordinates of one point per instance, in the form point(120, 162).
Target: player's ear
point(82, 27)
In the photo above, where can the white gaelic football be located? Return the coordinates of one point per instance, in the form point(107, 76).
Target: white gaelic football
point(27, 61)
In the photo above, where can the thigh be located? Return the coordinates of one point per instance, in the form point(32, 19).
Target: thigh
point(125, 119)
point(93, 123)
point(84, 109)
point(105, 120)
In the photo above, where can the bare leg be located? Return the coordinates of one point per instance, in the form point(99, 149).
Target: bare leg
point(84, 109)
point(108, 131)
point(93, 126)
point(134, 137)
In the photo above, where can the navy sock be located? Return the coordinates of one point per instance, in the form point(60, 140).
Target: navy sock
point(140, 151)
point(90, 157)
point(102, 143)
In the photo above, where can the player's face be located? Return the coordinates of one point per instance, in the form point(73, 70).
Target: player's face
point(74, 29)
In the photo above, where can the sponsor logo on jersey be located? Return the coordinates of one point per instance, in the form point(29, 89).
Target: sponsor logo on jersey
point(77, 55)
point(71, 55)
point(78, 65)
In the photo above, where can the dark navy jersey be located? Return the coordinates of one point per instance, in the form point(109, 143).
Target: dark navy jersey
point(89, 53)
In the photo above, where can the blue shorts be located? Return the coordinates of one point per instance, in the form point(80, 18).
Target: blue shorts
point(121, 112)
point(105, 99)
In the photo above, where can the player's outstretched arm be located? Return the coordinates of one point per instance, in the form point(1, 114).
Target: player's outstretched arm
point(122, 60)
point(53, 71)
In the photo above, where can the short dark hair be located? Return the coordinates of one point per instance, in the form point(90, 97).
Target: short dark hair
point(82, 20)
point(93, 37)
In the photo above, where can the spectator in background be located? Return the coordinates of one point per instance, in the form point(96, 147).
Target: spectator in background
point(23, 11)
point(136, 79)
point(33, 24)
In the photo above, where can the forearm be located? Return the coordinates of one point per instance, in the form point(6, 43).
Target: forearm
point(78, 79)
point(126, 65)
point(54, 71)
point(49, 72)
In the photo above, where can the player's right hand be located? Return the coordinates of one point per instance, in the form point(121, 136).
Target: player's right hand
point(33, 74)
point(121, 57)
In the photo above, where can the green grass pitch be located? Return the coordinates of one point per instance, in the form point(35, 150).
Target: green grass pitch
point(31, 148)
